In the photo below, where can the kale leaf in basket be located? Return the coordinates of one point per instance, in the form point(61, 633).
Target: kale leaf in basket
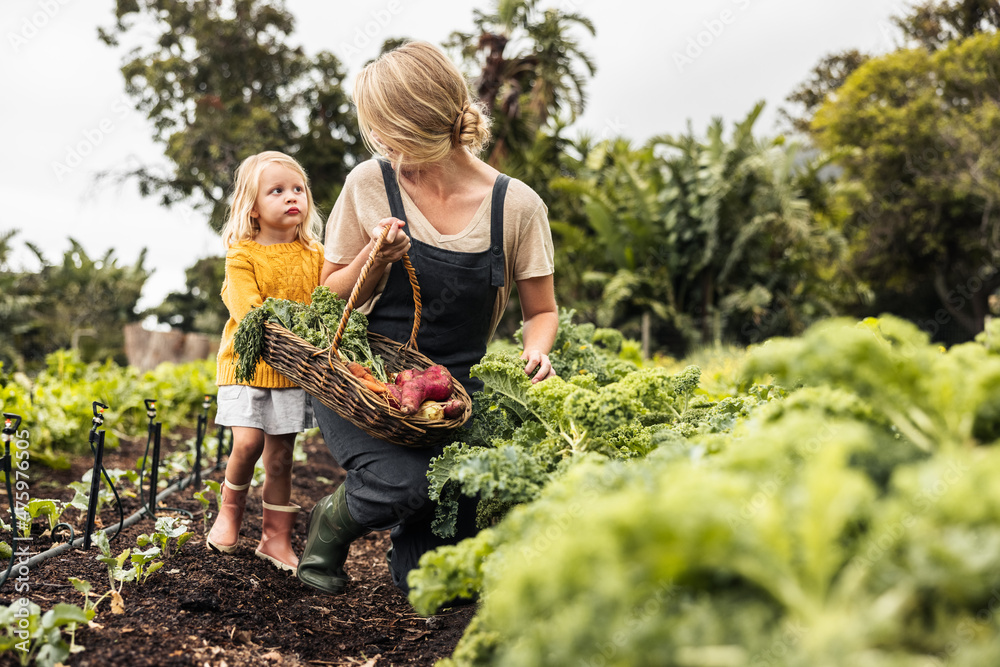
point(316, 324)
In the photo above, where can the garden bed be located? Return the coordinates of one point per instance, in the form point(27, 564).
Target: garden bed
point(204, 608)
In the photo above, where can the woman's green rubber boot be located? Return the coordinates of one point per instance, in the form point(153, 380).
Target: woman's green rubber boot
point(331, 531)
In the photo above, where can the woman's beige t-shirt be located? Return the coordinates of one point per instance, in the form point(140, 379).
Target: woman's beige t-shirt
point(528, 251)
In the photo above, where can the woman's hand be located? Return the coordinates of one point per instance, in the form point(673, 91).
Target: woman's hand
point(538, 363)
point(396, 243)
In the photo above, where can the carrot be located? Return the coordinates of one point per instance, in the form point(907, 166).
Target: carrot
point(374, 385)
point(357, 370)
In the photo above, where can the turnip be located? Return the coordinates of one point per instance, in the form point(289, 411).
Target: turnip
point(430, 410)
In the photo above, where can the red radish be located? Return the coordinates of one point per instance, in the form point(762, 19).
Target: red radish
point(454, 408)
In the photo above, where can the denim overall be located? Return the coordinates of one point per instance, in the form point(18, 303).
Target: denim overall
point(387, 483)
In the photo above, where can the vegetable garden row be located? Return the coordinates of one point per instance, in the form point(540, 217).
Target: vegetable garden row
point(49, 429)
point(823, 500)
point(831, 502)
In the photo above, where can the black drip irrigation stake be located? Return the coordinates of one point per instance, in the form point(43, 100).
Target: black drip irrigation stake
point(5, 464)
point(151, 433)
point(202, 430)
point(221, 449)
point(96, 440)
point(112, 532)
point(154, 432)
point(131, 520)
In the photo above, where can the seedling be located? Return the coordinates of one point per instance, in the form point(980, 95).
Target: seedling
point(166, 529)
point(116, 570)
point(84, 586)
point(23, 521)
point(51, 509)
point(81, 500)
point(144, 564)
point(216, 489)
point(37, 638)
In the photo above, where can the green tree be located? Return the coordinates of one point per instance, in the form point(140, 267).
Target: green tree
point(80, 303)
point(933, 24)
point(199, 307)
point(825, 78)
point(527, 67)
point(748, 259)
point(698, 240)
point(921, 132)
point(220, 83)
point(15, 307)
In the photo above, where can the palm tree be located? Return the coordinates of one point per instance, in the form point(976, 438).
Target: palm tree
point(527, 68)
point(691, 240)
point(745, 236)
point(620, 188)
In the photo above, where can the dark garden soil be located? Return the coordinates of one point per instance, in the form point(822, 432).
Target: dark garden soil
point(204, 608)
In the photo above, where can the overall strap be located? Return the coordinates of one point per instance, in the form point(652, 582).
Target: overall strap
point(392, 191)
point(496, 231)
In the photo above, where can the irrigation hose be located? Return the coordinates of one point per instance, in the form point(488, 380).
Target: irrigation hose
point(112, 532)
point(131, 520)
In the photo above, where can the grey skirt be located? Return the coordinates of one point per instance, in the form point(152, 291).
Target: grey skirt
point(274, 411)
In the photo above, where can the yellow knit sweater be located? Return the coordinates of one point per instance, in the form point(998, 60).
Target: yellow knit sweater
point(255, 272)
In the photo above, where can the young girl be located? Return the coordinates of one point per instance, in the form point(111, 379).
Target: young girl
point(272, 252)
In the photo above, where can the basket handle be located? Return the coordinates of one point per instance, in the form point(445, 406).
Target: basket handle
point(411, 274)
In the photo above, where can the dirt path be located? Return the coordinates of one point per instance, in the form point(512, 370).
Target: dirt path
point(203, 608)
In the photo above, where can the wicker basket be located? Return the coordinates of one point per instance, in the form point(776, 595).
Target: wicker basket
point(322, 374)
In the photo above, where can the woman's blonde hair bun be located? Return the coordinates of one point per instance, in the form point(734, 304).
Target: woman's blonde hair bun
point(472, 127)
point(414, 106)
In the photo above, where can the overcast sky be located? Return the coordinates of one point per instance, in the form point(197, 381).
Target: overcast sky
point(660, 65)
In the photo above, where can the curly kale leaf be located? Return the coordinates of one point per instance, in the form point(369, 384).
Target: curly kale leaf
point(509, 474)
point(491, 511)
point(325, 303)
point(585, 349)
point(282, 311)
point(503, 374)
point(450, 572)
point(547, 402)
point(633, 440)
point(490, 421)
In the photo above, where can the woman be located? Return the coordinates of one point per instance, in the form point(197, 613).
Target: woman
point(470, 233)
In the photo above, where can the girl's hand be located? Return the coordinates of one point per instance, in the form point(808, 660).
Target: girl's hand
point(396, 243)
point(539, 362)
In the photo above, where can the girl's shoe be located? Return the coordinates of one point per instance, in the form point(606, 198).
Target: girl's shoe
point(276, 536)
point(225, 533)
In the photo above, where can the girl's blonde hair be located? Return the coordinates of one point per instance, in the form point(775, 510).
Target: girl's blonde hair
point(240, 226)
point(414, 106)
